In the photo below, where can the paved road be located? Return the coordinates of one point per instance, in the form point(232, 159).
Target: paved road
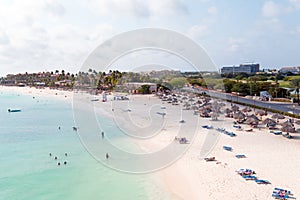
point(286, 107)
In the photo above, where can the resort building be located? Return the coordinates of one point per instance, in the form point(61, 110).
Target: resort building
point(133, 87)
point(294, 70)
point(249, 68)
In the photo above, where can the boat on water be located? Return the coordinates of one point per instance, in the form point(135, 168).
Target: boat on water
point(14, 110)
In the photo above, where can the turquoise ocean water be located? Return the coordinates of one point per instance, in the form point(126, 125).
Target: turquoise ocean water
point(28, 172)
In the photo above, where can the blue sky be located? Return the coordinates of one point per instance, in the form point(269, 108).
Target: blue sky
point(52, 34)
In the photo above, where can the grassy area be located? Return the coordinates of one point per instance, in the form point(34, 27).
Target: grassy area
point(285, 84)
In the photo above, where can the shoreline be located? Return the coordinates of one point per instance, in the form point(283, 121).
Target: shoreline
point(274, 158)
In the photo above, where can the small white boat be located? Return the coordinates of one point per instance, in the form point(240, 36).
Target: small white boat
point(14, 110)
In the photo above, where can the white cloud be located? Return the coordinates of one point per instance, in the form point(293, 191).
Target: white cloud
point(4, 39)
point(138, 8)
point(295, 4)
point(167, 8)
point(271, 9)
point(213, 10)
point(133, 8)
point(235, 44)
point(32, 40)
point(295, 31)
point(54, 8)
point(197, 32)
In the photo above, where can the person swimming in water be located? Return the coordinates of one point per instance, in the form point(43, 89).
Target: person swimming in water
point(107, 156)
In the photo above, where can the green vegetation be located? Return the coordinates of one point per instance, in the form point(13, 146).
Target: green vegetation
point(145, 89)
point(243, 84)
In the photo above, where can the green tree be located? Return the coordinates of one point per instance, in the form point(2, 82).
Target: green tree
point(144, 89)
point(296, 82)
point(242, 88)
point(178, 82)
point(228, 85)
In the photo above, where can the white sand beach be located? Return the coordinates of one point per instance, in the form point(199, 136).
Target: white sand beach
point(272, 157)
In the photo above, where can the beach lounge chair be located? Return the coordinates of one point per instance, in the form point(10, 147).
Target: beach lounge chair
point(278, 196)
point(221, 130)
point(277, 132)
point(237, 126)
point(288, 136)
point(249, 177)
point(247, 172)
point(210, 159)
point(240, 156)
point(227, 148)
point(183, 141)
point(231, 134)
point(280, 189)
point(207, 127)
point(260, 181)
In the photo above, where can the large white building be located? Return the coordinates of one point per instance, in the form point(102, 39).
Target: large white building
point(249, 68)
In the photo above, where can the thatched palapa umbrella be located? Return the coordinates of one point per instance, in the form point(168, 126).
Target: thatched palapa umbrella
point(253, 116)
point(278, 116)
point(287, 123)
point(252, 121)
point(235, 108)
point(261, 112)
point(227, 111)
point(288, 128)
point(269, 121)
point(239, 115)
point(214, 116)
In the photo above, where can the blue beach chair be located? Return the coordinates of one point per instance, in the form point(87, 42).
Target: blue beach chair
point(240, 156)
point(227, 148)
point(259, 181)
point(250, 177)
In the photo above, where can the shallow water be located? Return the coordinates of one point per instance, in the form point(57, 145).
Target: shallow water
point(28, 172)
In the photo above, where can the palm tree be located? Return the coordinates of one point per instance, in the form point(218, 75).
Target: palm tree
point(296, 82)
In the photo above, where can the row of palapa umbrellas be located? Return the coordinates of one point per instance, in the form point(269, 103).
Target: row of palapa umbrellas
point(188, 101)
point(243, 117)
point(214, 108)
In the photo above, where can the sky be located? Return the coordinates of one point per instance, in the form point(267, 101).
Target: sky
point(45, 35)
